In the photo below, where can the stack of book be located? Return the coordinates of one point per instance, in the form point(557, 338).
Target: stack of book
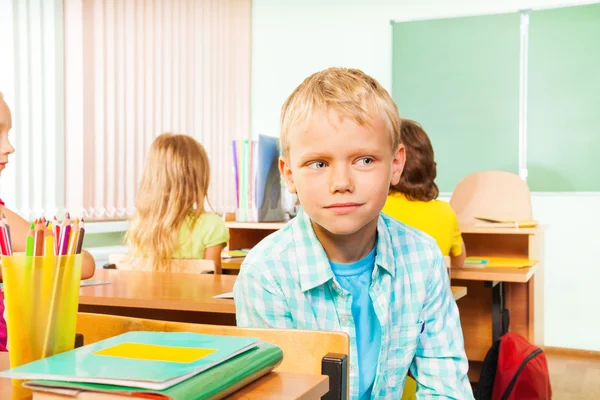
point(257, 180)
point(156, 365)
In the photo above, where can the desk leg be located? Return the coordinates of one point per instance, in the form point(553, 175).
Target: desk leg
point(500, 315)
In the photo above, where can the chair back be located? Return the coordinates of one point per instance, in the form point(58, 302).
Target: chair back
point(498, 194)
point(303, 350)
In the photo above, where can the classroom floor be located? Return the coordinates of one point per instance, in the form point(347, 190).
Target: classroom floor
point(574, 378)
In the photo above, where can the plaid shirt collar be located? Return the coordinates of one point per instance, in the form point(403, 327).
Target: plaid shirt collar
point(317, 271)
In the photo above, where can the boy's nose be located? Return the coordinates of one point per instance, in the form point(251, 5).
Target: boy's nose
point(341, 180)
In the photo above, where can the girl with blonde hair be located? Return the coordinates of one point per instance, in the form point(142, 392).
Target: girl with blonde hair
point(170, 220)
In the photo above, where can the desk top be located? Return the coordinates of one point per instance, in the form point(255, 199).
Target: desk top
point(275, 385)
point(515, 275)
point(160, 290)
point(255, 225)
point(463, 228)
point(503, 231)
point(169, 291)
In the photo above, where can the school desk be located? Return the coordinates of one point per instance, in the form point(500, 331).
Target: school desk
point(167, 296)
point(275, 385)
point(231, 266)
point(161, 295)
point(500, 299)
point(245, 235)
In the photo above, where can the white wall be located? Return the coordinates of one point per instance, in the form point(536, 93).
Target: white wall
point(294, 38)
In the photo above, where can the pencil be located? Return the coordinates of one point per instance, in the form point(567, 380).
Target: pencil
point(8, 236)
point(56, 227)
point(39, 239)
point(49, 237)
point(73, 238)
point(29, 247)
point(3, 242)
point(80, 238)
point(65, 235)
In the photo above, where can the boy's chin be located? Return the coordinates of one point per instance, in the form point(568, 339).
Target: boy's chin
point(342, 226)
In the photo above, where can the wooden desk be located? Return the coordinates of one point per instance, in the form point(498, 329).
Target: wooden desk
point(245, 235)
point(167, 296)
point(521, 275)
point(276, 385)
point(505, 290)
point(231, 265)
point(161, 295)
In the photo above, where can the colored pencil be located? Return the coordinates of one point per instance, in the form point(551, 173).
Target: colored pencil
point(8, 236)
point(49, 241)
point(80, 238)
point(38, 249)
point(56, 227)
point(29, 246)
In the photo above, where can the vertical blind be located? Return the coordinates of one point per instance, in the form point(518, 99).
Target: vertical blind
point(31, 79)
point(96, 81)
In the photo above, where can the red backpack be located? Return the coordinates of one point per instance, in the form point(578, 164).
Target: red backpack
point(514, 369)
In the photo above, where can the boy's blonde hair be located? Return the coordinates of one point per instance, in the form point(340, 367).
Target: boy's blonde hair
point(172, 189)
point(350, 92)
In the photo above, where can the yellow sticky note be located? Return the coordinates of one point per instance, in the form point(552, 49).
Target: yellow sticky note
point(153, 352)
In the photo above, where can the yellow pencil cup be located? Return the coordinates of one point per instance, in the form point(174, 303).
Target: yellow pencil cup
point(42, 299)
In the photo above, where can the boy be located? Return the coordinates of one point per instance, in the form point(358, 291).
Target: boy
point(340, 265)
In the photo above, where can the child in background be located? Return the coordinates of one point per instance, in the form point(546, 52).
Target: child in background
point(18, 226)
point(341, 265)
point(413, 199)
point(170, 220)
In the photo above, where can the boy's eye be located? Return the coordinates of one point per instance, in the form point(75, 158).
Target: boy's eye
point(317, 165)
point(365, 161)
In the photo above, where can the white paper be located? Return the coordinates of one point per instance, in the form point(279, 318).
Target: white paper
point(228, 295)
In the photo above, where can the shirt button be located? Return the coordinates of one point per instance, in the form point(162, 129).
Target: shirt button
point(344, 319)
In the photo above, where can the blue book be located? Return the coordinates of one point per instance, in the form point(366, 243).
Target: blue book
point(148, 360)
point(475, 262)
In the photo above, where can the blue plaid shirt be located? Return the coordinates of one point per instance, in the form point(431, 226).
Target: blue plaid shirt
point(286, 281)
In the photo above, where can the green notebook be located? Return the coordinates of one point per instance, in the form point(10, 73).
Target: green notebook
point(214, 383)
point(149, 360)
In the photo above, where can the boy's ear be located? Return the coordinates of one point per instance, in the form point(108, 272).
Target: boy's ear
point(286, 172)
point(398, 160)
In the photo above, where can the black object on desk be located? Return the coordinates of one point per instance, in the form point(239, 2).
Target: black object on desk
point(335, 366)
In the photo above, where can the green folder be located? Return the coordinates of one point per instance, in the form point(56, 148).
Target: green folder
point(148, 360)
point(214, 383)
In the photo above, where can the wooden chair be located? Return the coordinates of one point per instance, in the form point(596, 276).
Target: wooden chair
point(497, 194)
point(491, 193)
point(128, 263)
point(307, 352)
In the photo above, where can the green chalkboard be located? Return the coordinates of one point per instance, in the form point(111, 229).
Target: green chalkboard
point(459, 78)
point(563, 138)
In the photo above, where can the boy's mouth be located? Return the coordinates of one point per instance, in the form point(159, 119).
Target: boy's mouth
point(343, 208)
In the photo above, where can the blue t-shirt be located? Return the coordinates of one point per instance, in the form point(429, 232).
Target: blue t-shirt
point(356, 279)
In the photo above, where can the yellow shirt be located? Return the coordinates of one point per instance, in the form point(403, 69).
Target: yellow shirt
point(435, 217)
point(209, 230)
